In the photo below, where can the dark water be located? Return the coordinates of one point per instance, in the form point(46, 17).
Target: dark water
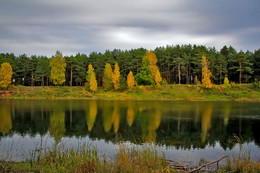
point(185, 131)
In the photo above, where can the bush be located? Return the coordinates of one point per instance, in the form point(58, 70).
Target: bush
point(256, 84)
point(226, 83)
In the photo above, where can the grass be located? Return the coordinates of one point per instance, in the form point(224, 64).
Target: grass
point(244, 92)
point(86, 160)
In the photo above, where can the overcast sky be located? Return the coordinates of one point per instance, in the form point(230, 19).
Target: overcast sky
point(43, 26)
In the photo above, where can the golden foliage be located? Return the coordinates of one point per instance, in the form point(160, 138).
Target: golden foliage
point(206, 74)
point(150, 55)
point(92, 114)
point(6, 73)
point(58, 69)
point(130, 114)
point(89, 72)
point(116, 76)
point(107, 79)
point(130, 80)
point(158, 78)
point(206, 122)
point(93, 82)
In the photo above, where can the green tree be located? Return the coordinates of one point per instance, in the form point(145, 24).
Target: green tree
point(107, 80)
point(42, 70)
point(58, 66)
point(242, 64)
point(144, 77)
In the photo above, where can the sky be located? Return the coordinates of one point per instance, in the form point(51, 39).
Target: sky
point(40, 27)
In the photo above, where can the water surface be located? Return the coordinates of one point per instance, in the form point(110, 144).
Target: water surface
point(184, 131)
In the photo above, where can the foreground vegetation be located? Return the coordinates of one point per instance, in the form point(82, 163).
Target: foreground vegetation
point(244, 92)
point(86, 159)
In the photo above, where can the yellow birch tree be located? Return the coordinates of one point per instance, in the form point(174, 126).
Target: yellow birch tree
point(150, 55)
point(6, 73)
point(158, 78)
point(58, 69)
point(130, 80)
point(107, 79)
point(206, 74)
point(93, 82)
point(116, 76)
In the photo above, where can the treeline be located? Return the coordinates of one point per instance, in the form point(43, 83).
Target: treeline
point(177, 64)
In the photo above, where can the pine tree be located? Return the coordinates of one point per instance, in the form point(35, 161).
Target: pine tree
point(6, 73)
point(144, 77)
point(107, 79)
point(206, 74)
point(158, 78)
point(116, 76)
point(58, 68)
point(130, 80)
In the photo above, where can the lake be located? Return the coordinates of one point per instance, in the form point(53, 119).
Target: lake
point(185, 131)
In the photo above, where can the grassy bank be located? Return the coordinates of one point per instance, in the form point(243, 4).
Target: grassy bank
point(127, 160)
point(244, 92)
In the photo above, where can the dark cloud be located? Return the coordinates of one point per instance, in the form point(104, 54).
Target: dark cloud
point(42, 27)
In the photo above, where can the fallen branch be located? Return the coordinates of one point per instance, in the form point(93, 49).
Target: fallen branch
point(196, 169)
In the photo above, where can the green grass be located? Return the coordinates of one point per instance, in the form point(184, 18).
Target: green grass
point(244, 92)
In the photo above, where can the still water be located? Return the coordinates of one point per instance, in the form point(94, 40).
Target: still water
point(185, 131)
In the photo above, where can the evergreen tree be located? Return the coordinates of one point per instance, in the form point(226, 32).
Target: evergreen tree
point(144, 77)
point(42, 70)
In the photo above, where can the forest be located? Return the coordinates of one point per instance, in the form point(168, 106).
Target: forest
point(176, 64)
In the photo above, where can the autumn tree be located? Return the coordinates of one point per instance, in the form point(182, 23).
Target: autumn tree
point(58, 66)
point(6, 73)
point(93, 82)
point(158, 78)
point(116, 76)
point(107, 79)
point(130, 80)
point(150, 55)
point(206, 74)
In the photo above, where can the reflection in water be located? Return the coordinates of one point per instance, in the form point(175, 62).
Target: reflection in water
point(130, 114)
point(5, 116)
point(91, 116)
point(183, 125)
point(153, 125)
point(226, 114)
point(206, 121)
point(116, 117)
point(57, 126)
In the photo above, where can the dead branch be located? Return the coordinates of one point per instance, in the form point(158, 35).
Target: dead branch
point(196, 169)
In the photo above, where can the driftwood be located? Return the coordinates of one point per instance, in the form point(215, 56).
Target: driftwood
point(197, 169)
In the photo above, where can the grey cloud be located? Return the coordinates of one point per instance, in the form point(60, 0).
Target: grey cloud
point(41, 27)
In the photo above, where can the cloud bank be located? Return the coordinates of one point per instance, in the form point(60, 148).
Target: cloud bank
point(42, 27)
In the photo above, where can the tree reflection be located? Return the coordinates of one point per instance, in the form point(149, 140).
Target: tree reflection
point(57, 126)
point(107, 116)
point(91, 116)
point(206, 121)
point(130, 114)
point(5, 117)
point(116, 117)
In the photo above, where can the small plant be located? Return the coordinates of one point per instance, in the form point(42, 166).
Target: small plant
point(256, 84)
point(226, 83)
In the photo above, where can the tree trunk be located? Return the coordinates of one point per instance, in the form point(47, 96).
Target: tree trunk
point(71, 75)
point(32, 84)
point(240, 74)
point(179, 72)
point(42, 80)
point(220, 77)
point(169, 71)
point(187, 74)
